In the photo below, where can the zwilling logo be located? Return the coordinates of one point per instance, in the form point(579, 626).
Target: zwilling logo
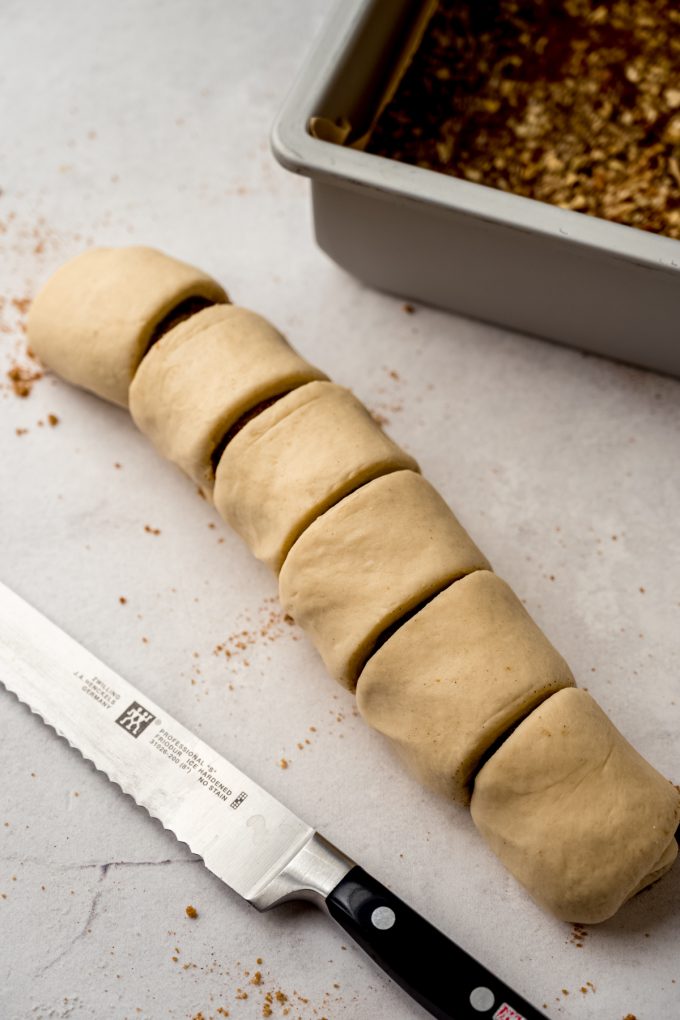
point(135, 719)
point(506, 1012)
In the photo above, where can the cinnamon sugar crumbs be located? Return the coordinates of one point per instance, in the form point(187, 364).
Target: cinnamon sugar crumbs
point(21, 304)
point(151, 531)
point(52, 420)
point(578, 935)
point(270, 625)
point(379, 418)
point(22, 379)
point(191, 912)
point(283, 764)
point(122, 600)
point(256, 979)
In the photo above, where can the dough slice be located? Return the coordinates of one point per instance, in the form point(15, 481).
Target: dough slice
point(369, 560)
point(295, 460)
point(456, 677)
point(203, 376)
point(95, 317)
point(574, 812)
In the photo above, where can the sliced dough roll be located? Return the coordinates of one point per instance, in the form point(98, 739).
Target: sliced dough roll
point(95, 317)
point(295, 460)
point(369, 560)
point(203, 376)
point(456, 677)
point(574, 812)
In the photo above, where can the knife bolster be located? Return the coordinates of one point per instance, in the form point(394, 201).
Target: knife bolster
point(311, 874)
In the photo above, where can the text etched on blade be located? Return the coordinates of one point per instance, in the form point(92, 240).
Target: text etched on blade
point(98, 689)
point(188, 760)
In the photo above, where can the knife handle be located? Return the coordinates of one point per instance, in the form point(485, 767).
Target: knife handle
point(437, 973)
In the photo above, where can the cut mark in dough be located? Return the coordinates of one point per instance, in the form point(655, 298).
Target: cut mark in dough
point(184, 310)
point(350, 492)
point(240, 424)
point(386, 634)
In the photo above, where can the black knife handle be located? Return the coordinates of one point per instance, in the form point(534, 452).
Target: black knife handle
point(434, 971)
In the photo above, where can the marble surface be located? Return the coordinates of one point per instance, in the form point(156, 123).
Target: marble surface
point(148, 123)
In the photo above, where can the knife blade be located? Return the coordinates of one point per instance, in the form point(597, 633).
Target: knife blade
point(251, 841)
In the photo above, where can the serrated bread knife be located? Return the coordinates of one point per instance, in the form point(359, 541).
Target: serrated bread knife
point(246, 837)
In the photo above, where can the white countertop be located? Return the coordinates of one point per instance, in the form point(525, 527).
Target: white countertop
point(148, 123)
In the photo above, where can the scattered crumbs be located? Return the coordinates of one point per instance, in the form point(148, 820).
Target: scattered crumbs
point(151, 531)
point(283, 764)
point(259, 960)
point(122, 600)
point(642, 590)
point(408, 308)
point(240, 994)
point(201, 493)
point(191, 912)
point(379, 419)
point(22, 379)
point(393, 374)
point(256, 979)
point(630, 1016)
point(52, 420)
point(578, 935)
point(269, 626)
point(117, 465)
point(21, 432)
point(565, 991)
point(212, 525)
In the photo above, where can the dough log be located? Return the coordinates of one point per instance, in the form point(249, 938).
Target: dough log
point(399, 601)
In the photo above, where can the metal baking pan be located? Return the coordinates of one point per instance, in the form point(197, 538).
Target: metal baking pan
point(534, 267)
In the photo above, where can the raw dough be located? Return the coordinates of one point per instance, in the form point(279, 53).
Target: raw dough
point(574, 812)
point(94, 318)
point(456, 677)
point(295, 460)
point(203, 375)
point(367, 561)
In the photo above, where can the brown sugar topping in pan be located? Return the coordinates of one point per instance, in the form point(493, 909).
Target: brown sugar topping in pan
point(564, 101)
